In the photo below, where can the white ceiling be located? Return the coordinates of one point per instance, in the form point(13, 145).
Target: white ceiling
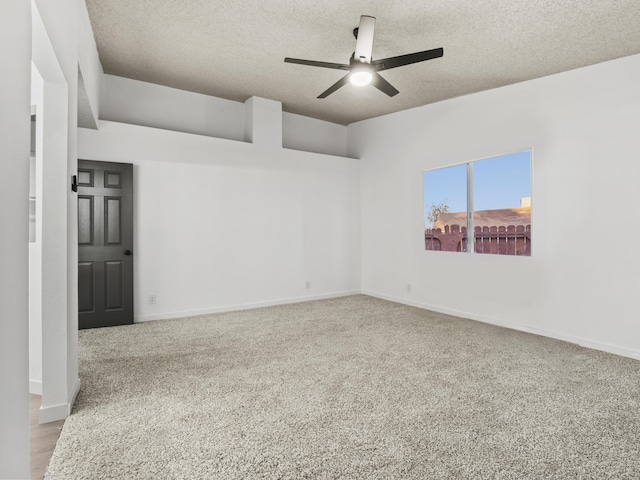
point(235, 49)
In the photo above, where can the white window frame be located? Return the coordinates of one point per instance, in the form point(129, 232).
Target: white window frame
point(470, 207)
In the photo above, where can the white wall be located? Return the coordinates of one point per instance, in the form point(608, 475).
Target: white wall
point(90, 67)
point(221, 225)
point(312, 135)
point(35, 247)
point(56, 58)
point(581, 282)
point(15, 120)
point(139, 103)
point(263, 122)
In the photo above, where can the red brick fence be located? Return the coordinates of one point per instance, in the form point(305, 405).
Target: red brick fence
point(502, 240)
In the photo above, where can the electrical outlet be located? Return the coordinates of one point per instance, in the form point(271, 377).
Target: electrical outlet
point(308, 284)
point(152, 299)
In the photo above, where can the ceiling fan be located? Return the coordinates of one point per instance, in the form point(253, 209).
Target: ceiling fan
point(363, 70)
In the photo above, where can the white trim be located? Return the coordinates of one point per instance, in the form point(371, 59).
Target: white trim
point(243, 306)
point(61, 411)
point(471, 230)
point(35, 387)
point(53, 413)
point(583, 342)
point(74, 394)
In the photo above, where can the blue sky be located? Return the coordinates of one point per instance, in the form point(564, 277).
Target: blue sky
point(498, 182)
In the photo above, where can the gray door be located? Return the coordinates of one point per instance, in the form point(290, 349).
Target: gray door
point(105, 244)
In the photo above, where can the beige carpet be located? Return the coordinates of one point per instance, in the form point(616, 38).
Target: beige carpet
point(348, 388)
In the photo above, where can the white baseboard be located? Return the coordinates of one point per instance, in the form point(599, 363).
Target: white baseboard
point(583, 342)
point(74, 394)
point(53, 413)
point(35, 387)
point(244, 306)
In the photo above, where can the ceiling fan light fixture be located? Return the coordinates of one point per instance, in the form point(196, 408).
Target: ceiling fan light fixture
point(360, 76)
point(360, 79)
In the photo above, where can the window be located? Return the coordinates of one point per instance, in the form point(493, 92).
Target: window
point(490, 197)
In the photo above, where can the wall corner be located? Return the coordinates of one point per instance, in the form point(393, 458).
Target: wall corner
point(263, 122)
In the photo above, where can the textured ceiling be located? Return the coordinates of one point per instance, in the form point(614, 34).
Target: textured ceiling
point(235, 49)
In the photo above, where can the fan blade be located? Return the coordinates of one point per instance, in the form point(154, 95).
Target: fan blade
point(313, 63)
point(384, 86)
point(400, 60)
point(334, 87)
point(364, 42)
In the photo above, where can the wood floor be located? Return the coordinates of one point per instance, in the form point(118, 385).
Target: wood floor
point(43, 439)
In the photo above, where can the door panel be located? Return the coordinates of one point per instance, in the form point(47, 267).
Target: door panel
point(105, 233)
point(112, 180)
point(85, 220)
point(85, 287)
point(85, 177)
point(113, 284)
point(112, 220)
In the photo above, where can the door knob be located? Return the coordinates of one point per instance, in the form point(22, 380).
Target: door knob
point(128, 252)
